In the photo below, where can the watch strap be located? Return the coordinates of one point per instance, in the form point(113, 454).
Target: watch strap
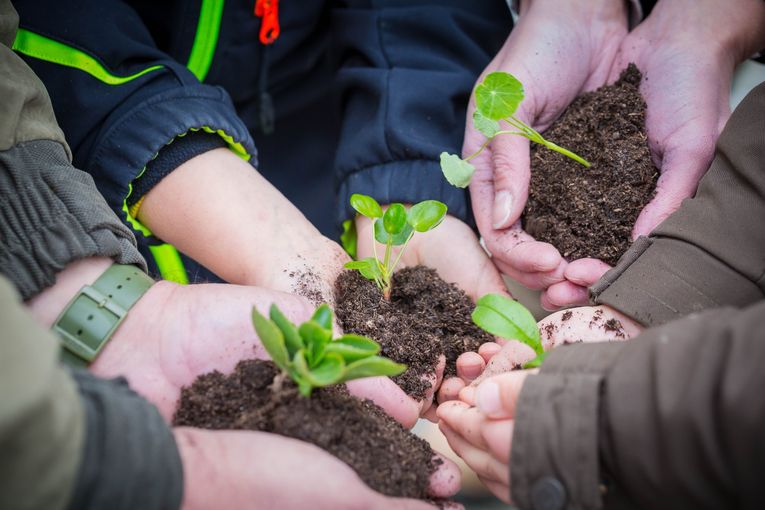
point(94, 314)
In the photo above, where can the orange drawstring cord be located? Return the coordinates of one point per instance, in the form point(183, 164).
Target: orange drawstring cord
point(268, 10)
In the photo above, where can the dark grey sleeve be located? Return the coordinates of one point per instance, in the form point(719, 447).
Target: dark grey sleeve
point(52, 215)
point(711, 252)
point(51, 212)
point(130, 459)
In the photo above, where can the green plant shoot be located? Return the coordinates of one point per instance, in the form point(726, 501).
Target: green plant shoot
point(310, 356)
point(506, 318)
point(394, 227)
point(497, 98)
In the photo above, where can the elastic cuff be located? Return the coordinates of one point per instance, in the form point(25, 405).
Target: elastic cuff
point(662, 279)
point(407, 182)
point(52, 215)
point(138, 134)
point(177, 152)
point(130, 459)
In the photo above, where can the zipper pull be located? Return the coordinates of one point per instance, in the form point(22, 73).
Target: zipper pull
point(268, 11)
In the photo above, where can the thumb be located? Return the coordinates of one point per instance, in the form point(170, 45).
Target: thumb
point(681, 171)
point(496, 396)
point(510, 164)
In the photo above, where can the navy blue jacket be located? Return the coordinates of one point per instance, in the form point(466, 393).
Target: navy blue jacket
point(367, 92)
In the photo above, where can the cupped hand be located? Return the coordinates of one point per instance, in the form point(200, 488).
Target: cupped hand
point(257, 470)
point(481, 433)
point(584, 324)
point(687, 51)
point(453, 250)
point(175, 333)
point(557, 50)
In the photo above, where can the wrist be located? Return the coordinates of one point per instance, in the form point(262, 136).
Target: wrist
point(584, 12)
point(48, 305)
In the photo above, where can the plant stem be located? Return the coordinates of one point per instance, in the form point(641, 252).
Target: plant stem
point(483, 146)
point(401, 252)
point(388, 247)
point(534, 135)
point(565, 152)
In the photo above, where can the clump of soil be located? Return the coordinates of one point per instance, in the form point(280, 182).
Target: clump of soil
point(424, 318)
point(386, 456)
point(590, 212)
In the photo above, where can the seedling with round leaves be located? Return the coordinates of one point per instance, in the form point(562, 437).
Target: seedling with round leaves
point(394, 227)
point(506, 318)
point(310, 356)
point(496, 98)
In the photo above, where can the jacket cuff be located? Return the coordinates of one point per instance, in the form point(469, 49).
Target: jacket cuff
point(130, 458)
point(555, 461)
point(407, 182)
point(52, 214)
point(140, 131)
point(654, 284)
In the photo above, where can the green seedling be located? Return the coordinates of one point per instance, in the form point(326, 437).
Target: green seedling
point(394, 227)
point(506, 318)
point(310, 356)
point(496, 98)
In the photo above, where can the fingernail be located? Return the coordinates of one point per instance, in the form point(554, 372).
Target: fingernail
point(487, 398)
point(503, 204)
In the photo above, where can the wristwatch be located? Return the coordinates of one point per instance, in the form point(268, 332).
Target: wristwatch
point(94, 314)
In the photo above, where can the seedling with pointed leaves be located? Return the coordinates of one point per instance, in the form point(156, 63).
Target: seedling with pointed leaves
point(506, 318)
point(310, 356)
point(394, 227)
point(496, 98)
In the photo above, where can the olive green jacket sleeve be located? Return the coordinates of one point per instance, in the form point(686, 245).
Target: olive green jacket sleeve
point(42, 421)
point(711, 252)
point(51, 213)
point(670, 420)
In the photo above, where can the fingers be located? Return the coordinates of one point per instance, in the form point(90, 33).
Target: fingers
point(500, 490)
point(446, 480)
point(470, 365)
point(479, 460)
point(510, 162)
point(435, 383)
point(450, 389)
point(386, 394)
point(496, 396)
point(488, 350)
point(563, 294)
point(465, 420)
point(585, 272)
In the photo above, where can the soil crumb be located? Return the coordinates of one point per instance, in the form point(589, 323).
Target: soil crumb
point(386, 456)
point(590, 212)
point(424, 318)
point(566, 316)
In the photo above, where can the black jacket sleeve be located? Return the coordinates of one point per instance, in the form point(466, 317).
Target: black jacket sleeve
point(406, 73)
point(129, 100)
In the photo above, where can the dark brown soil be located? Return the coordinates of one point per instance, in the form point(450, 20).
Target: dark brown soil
point(387, 457)
point(424, 318)
point(590, 212)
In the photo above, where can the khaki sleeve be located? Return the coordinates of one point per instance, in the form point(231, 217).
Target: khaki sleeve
point(42, 421)
point(672, 419)
point(711, 252)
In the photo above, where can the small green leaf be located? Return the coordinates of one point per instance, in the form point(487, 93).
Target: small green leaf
point(291, 336)
point(323, 316)
point(381, 236)
point(372, 366)
point(426, 215)
point(507, 318)
point(368, 267)
point(394, 219)
point(272, 339)
point(353, 347)
point(329, 371)
point(299, 373)
point(486, 126)
point(498, 95)
point(366, 206)
point(349, 238)
point(536, 362)
point(456, 170)
point(315, 338)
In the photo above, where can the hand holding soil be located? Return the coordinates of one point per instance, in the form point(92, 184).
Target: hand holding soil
point(557, 52)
